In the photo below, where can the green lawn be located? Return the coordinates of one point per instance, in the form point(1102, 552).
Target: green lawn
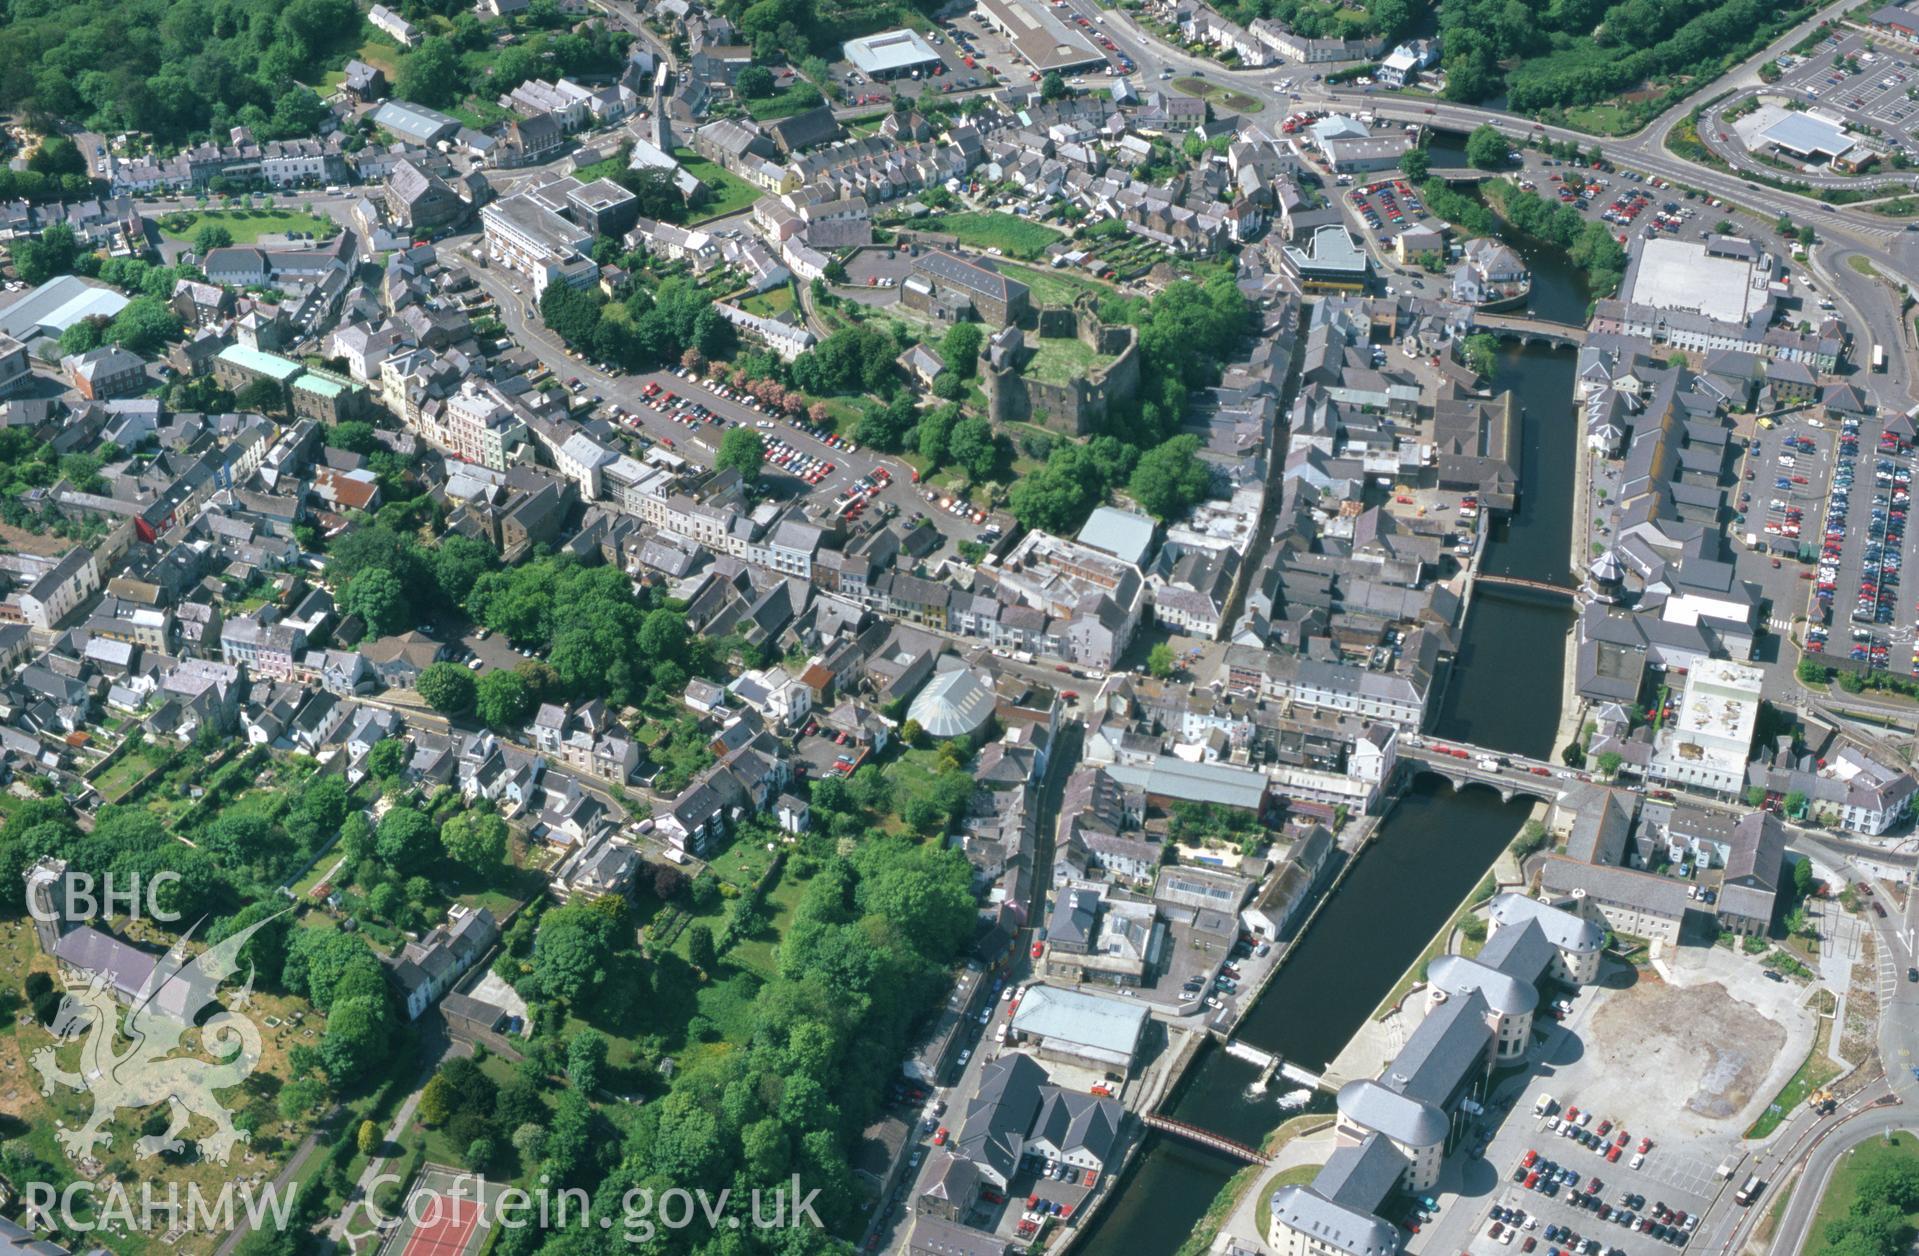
point(756, 954)
point(1055, 287)
point(1058, 359)
point(1013, 236)
point(729, 194)
point(1225, 98)
point(770, 304)
point(868, 124)
point(784, 104)
point(378, 52)
point(248, 225)
point(1842, 1192)
point(1600, 119)
point(127, 769)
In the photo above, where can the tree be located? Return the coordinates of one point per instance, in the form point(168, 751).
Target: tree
point(83, 337)
point(1486, 148)
point(368, 1139)
point(1170, 478)
point(700, 951)
point(406, 840)
point(743, 450)
point(448, 688)
point(754, 82)
point(262, 396)
point(437, 1100)
point(1608, 763)
point(974, 448)
point(1052, 86)
point(1480, 352)
point(570, 951)
point(457, 562)
point(1160, 660)
point(430, 74)
point(144, 325)
point(209, 237)
point(1415, 163)
point(475, 838)
point(301, 1097)
point(936, 435)
point(586, 1060)
point(1803, 880)
point(1810, 671)
point(1796, 802)
point(959, 348)
point(356, 1036)
point(378, 597)
point(387, 759)
point(924, 816)
point(503, 700)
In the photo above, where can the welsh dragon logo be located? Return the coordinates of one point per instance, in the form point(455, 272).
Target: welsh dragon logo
point(149, 1071)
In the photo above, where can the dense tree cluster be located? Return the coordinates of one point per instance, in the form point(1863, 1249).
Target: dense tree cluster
point(1885, 1194)
point(1170, 479)
point(339, 975)
point(444, 68)
point(1187, 332)
point(864, 959)
point(177, 69)
point(1589, 244)
point(852, 359)
point(389, 578)
point(600, 638)
point(642, 332)
point(1074, 479)
point(1572, 52)
point(1327, 19)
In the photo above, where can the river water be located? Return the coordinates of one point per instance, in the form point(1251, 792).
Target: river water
point(1504, 692)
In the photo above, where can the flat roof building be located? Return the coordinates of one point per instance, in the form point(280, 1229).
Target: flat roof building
point(58, 304)
point(1686, 275)
point(1083, 1029)
point(890, 54)
point(1045, 42)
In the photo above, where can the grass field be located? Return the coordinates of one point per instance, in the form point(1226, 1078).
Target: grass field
point(770, 304)
point(1057, 359)
point(1842, 1192)
point(1223, 98)
point(729, 194)
point(1600, 119)
point(247, 225)
point(381, 55)
point(1055, 287)
point(783, 104)
point(128, 769)
point(1013, 236)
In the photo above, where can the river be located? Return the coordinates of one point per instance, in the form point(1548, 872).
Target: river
point(1504, 692)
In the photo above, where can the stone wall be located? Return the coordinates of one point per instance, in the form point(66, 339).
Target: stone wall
point(1077, 407)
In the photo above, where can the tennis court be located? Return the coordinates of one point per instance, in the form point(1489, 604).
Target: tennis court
point(442, 1215)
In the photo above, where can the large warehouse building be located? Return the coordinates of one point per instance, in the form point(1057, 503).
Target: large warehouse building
point(1046, 43)
point(1728, 280)
point(890, 54)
